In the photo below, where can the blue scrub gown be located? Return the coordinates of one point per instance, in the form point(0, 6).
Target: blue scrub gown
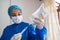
point(31, 33)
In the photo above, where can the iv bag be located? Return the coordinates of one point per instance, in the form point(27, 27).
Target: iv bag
point(40, 12)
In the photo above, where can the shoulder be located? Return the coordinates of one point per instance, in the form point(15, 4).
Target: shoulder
point(25, 22)
point(8, 27)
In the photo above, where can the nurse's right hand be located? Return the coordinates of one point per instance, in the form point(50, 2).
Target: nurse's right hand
point(16, 37)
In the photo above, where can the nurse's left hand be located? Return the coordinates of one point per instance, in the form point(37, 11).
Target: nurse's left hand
point(16, 37)
point(39, 23)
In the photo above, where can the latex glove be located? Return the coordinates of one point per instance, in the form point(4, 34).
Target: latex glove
point(17, 37)
point(39, 23)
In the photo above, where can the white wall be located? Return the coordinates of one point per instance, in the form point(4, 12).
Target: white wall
point(28, 6)
point(4, 18)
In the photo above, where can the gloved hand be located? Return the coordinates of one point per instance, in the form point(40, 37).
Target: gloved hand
point(17, 37)
point(39, 23)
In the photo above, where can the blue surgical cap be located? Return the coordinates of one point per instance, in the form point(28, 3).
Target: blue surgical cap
point(13, 7)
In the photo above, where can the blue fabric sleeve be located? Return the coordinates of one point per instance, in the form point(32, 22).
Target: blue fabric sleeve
point(31, 32)
point(41, 34)
point(36, 34)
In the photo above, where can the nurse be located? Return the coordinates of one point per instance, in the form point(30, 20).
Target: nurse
point(22, 30)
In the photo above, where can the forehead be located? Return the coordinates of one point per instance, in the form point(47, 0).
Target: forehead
point(15, 11)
